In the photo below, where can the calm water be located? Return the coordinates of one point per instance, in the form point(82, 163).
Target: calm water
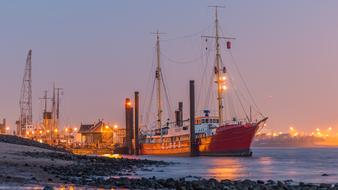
point(298, 164)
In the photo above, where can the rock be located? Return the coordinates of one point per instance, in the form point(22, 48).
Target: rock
point(324, 185)
point(325, 174)
point(48, 187)
point(281, 185)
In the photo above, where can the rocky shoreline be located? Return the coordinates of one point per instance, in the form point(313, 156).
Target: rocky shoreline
point(84, 167)
point(199, 184)
point(108, 173)
point(29, 166)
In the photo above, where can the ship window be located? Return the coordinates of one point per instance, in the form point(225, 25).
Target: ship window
point(206, 120)
point(203, 120)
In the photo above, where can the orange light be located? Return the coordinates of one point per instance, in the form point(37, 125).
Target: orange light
point(7, 128)
point(40, 131)
point(66, 129)
point(75, 129)
point(115, 126)
point(48, 131)
point(107, 126)
point(55, 130)
point(27, 133)
point(224, 87)
point(128, 103)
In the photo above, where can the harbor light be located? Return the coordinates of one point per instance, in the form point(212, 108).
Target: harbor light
point(55, 130)
point(48, 131)
point(128, 103)
point(222, 78)
point(66, 129)
point(224, 87)
point(115, 126)
point(107, 126)
point(75, 129)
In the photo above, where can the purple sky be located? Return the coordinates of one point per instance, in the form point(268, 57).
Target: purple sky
point(101, 52)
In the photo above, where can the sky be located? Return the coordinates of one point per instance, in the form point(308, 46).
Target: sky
point(100, 52)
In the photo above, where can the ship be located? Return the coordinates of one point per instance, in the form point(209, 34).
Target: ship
point(213, 135)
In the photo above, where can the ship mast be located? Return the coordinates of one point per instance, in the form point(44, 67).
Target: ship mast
point(218, 74)
point(158, 79)
point(219, 71)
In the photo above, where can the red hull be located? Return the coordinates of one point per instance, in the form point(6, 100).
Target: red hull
point(229, 140)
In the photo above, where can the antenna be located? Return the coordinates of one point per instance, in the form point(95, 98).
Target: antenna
point(45, 98)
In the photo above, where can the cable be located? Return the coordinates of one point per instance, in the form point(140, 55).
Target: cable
point(189, 35)
point(245, 84)
point(183, 62)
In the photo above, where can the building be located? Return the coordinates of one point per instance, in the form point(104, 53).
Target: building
point(102, 135)
point(119, 136)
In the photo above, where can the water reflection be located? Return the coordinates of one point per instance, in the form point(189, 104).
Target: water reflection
point(225, 169)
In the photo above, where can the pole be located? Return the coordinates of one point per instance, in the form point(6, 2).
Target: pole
point(193, 149)
point(136, 129)
point(129, 125)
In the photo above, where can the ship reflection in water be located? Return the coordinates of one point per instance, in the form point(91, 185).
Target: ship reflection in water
point(298, 164)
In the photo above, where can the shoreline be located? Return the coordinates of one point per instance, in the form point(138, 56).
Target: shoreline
point(24, 167)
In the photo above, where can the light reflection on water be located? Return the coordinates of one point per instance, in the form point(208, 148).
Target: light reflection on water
point(298, 164)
